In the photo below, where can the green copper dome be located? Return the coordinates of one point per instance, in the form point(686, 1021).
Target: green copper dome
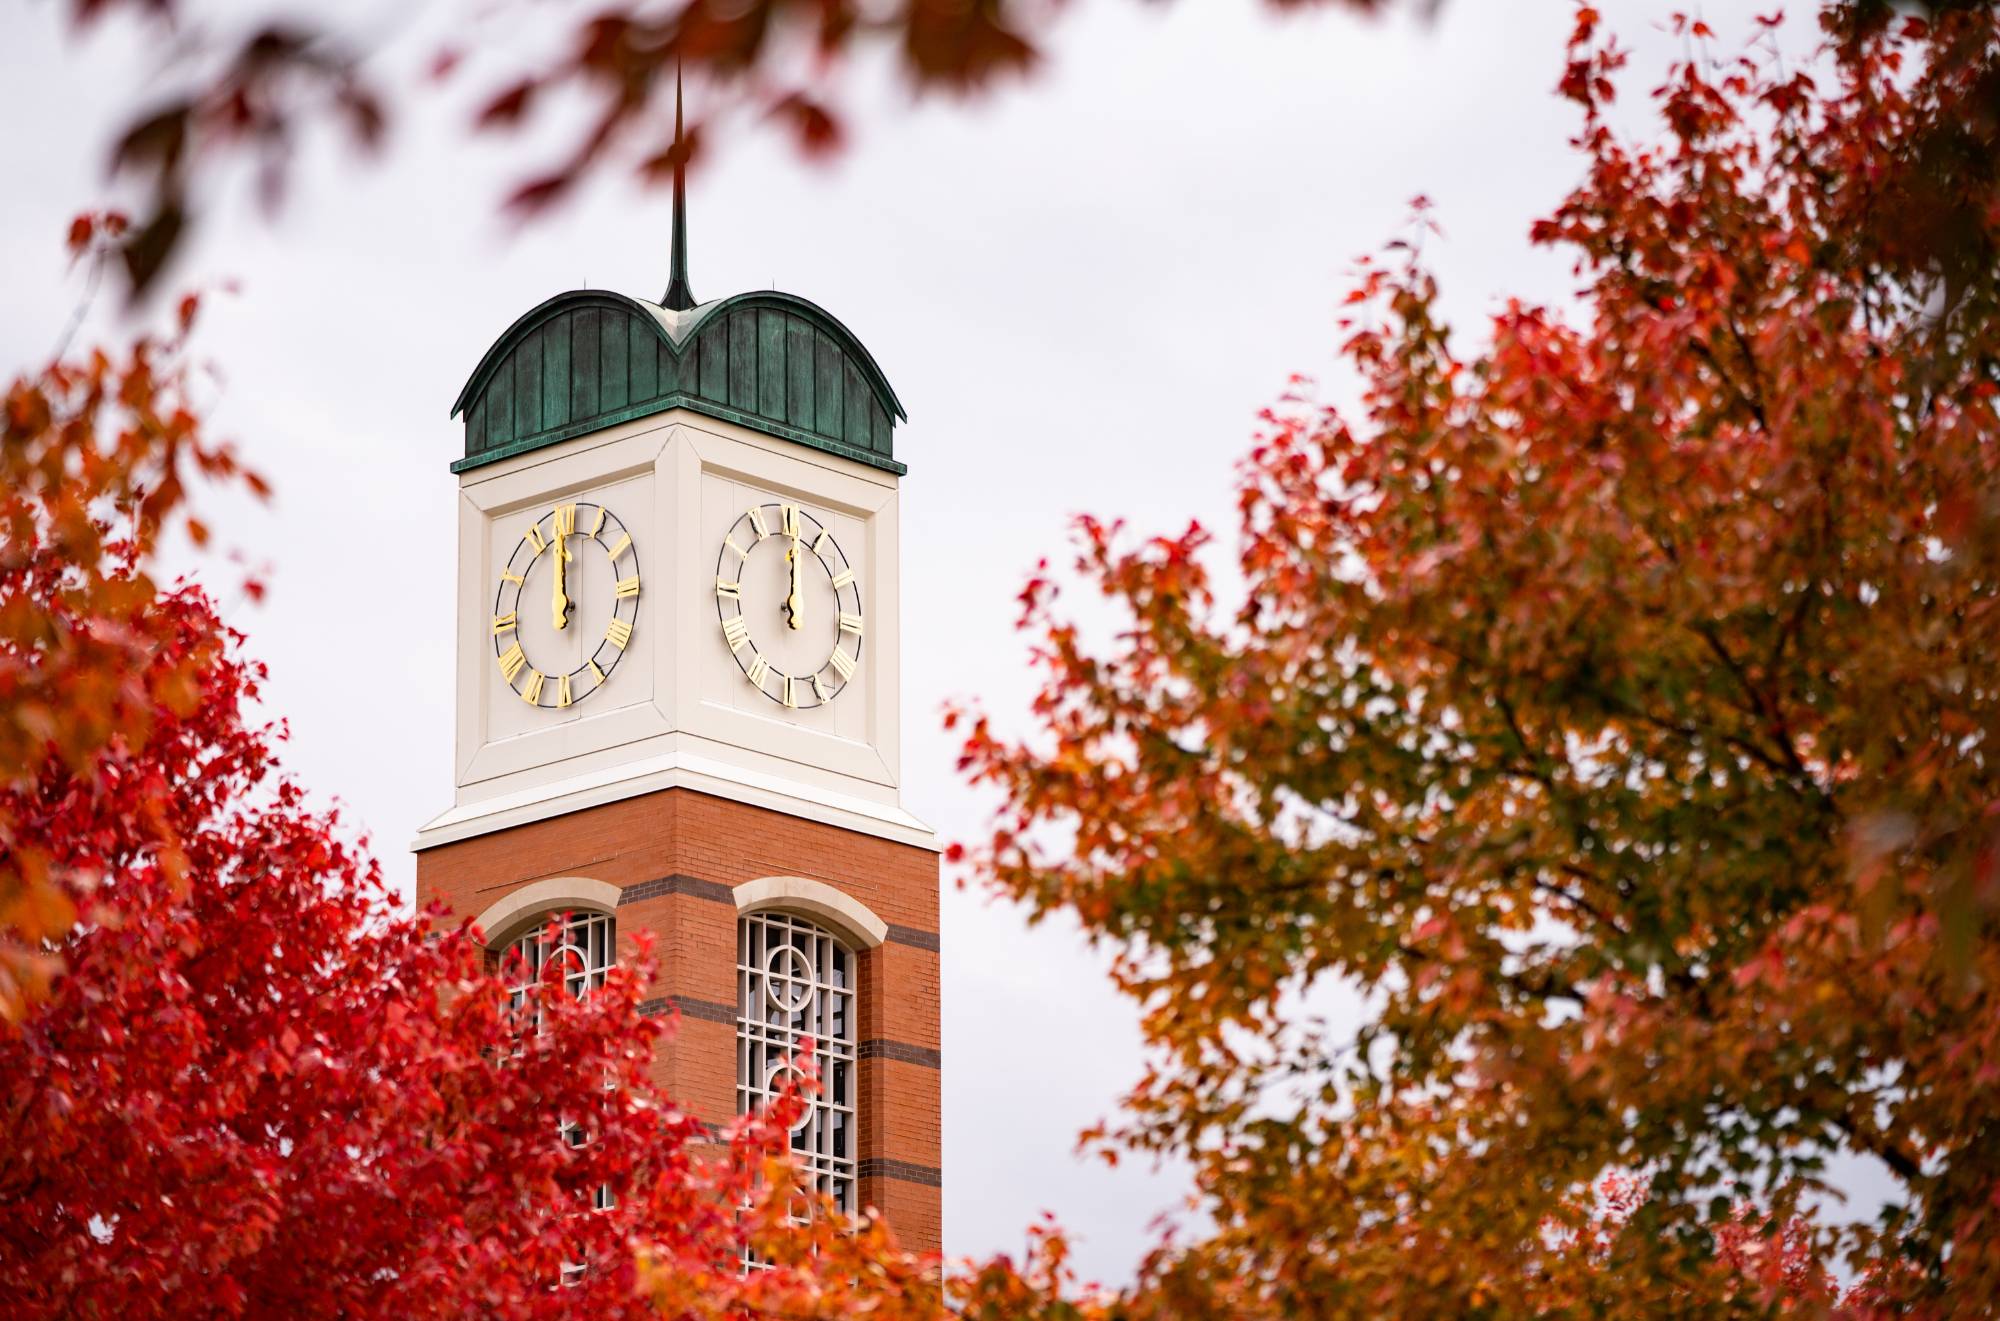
point(590, 358)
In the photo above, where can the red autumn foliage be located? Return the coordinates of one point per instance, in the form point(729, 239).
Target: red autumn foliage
point(251, 1091)
point(234, 1080)
point(1612, 704)
point(783, 61)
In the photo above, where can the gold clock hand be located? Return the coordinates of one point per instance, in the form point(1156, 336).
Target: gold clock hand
point(559, 607)
point(795, 605)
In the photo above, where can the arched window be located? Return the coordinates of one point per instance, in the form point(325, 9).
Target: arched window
point(582, 944)
point(795, 980)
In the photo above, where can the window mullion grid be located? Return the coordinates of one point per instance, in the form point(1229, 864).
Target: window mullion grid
point(795, 980)
point(587, 944)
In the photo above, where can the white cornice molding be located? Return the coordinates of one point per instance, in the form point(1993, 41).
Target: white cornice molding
point(675, 771)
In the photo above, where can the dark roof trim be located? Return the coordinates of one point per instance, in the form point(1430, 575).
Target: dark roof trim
point(694, 404)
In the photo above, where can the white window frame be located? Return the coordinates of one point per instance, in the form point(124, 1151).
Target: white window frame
point(796, 979)
point(586, 942)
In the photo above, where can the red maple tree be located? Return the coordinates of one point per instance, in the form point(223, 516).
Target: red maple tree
point(96, 456)
point(234, 1079)
point(251, 1090)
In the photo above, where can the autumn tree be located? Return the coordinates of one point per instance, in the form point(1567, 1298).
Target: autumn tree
point(1612, 705)
point(98, 451)
point(251, 1090)
point(234, 1080)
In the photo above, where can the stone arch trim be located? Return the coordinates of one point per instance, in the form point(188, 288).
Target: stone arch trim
point(506, 915)
point(841, 913)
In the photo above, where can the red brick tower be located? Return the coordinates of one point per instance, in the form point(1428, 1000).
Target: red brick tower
point(678, 705)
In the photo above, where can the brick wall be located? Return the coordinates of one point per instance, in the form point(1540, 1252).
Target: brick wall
point(676, 856)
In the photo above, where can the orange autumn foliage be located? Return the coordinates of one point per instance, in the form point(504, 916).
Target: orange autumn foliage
point(95, 460)
point(1613, 706)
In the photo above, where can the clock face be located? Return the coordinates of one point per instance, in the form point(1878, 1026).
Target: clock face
point(565, 605)
point(789, 604)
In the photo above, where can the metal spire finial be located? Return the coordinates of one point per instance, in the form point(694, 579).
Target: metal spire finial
point(679, 297)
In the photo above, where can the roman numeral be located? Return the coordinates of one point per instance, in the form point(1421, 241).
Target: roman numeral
point(627, 587)
point(843, 663)
point(501, 623)
point(565, 520)
point(841, 579)
point(562, 691)
point(850, 624)
point(723, 587)
point(790, 516)
point(790, 700)
point(821, 541)
point(624, 544)
point(618, 633)
point(819, 689)
point(513, 578)
point(596, 675)
point(511, 661)
point(757, 521)
point(735, 632)
point(740, 552)
point(598, 526)
point(758, 669)
point(534, 538)
point(531, 692)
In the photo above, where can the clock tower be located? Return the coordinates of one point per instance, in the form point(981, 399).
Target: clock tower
point(678, 705)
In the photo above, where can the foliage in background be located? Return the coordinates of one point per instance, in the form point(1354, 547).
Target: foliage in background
point(95, 440)
point(1615, 708)
point(258, 88)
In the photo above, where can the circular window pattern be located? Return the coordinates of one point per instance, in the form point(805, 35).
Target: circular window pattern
point(781, 1078)
point(581, 946)
point(788, 978)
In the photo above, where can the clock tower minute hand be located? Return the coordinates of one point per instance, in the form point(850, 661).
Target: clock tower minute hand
point(560, 606)
point(795, 604)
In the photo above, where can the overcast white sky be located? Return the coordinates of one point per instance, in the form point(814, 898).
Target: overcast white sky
point(1083, 291)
